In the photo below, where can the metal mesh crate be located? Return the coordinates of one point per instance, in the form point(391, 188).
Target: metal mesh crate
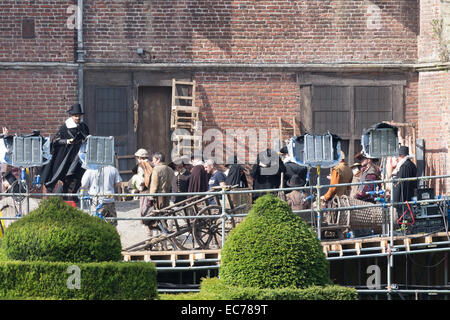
point(27, 151)
point(100, 151)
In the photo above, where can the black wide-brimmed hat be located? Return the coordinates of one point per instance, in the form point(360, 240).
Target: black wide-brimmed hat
point(403, 151)
point(8, 176)
point(75, 109)
point(284, 150)
point(295, 181)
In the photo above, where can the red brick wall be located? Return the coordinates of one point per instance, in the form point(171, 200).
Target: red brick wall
point(411, 100)
point(252, 31)
point(53, 41)
point(428, 44)
point(36, 100)
point(239, 101)
point(434, 123)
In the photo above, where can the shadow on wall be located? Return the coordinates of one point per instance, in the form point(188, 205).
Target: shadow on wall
point(436, 164)
point(408, 10)
point(212, 20)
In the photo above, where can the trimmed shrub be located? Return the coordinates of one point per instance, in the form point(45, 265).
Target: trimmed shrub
point(273, 248)
point(216, 289)
point(98, 281)
point(56, 231)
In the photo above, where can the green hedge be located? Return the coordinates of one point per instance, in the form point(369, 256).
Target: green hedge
point(273, 248)
point(98, 280)
point(216, 289)
point(56, 231)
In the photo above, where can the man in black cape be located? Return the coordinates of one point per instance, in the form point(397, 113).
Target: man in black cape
point(65, 164)
point(404, 190)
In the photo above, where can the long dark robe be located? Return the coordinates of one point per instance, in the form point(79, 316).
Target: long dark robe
point(293, 169)
point(236, 176)
point(180, 183)
point(404, 191)
point(65, 164)
point(265, 181)
point(198, 181)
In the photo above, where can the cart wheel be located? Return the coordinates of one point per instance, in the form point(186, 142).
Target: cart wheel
point(208, 232)
point(184, 240)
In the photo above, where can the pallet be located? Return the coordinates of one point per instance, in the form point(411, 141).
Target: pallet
point(330, 248)
point(381, 244)
point(172, 256)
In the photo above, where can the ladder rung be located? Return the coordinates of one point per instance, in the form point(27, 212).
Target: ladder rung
point(188, 124)
point(185, 137)
point(187, 118)
point(186, 83)
point(184, 97)
point(185, 108)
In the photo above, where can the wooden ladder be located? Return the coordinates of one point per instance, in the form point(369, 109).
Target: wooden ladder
point(184, 115)
point(283, 130)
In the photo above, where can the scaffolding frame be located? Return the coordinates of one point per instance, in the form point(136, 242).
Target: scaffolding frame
point(392, 249)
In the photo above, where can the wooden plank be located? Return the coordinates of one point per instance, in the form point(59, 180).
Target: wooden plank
point(184, 83)
point(407, 243)
point(185, 109)
point(325, 249)
point(184, 97)
point(358, 247)
point(383, 245)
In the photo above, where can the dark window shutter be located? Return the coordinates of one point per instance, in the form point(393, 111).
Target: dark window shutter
point(28, 31)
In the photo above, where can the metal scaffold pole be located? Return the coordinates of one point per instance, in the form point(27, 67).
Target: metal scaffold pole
point(224, 217)
point(390, 262)
point(318, 204)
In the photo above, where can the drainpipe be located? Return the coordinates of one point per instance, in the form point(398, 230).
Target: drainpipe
point(80, 52)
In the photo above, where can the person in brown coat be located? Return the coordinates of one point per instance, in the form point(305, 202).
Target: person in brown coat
point(339, 174)
point(160, 182)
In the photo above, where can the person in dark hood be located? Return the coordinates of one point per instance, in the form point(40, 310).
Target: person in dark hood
point(182, 175)
point(236, 174)
point(292, 167)
point(266, 172)
point(65, 164)
point(298, 199)
point(198, 181)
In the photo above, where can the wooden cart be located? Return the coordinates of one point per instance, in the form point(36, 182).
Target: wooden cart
point(196, 230)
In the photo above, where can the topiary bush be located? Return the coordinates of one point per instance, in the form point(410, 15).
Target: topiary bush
point(216, 289)
point(273, 248)
point(56, 231)
point(98, 280)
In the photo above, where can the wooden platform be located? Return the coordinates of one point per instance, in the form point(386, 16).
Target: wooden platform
point(331, 248)
point(172, 256)
point(360, 246)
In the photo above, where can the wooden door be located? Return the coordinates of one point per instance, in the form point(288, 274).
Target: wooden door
point(153, 129)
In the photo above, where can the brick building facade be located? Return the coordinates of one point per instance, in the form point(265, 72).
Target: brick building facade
point(335, 65)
